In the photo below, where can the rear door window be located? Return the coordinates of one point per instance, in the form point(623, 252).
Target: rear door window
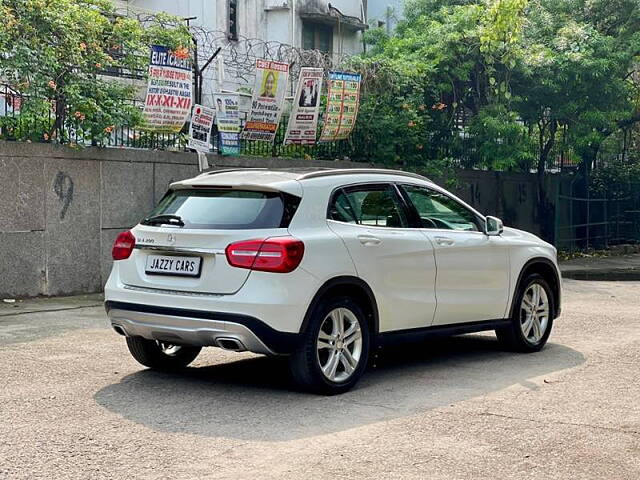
point(227, 209)
point(369, 205)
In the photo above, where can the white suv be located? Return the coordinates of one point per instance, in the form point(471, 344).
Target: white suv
point(323, 266)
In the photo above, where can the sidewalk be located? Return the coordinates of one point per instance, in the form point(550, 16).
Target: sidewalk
point(49, 304)
point(619, 267)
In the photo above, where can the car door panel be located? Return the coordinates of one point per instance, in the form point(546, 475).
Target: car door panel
point(472, 281)
point(400, 268)
point(473, 276)
point(396, 261)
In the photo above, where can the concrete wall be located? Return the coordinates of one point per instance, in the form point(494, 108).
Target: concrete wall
point(60, 209)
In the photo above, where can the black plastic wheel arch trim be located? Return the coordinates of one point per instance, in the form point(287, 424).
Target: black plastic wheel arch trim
point(345, 280)
point(557, 300)
point(278, 342)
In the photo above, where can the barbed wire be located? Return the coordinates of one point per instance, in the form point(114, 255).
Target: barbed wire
point(239, 56)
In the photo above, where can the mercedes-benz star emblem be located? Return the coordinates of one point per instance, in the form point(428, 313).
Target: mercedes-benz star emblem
point(171, 239)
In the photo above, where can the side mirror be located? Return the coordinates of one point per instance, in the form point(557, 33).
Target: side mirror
point(493, 226)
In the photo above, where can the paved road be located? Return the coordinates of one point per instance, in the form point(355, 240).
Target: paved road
point(73, 404)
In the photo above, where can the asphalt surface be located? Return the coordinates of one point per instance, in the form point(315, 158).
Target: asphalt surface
point(74, 404)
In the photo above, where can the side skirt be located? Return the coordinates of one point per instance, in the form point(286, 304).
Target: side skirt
point(417, 334)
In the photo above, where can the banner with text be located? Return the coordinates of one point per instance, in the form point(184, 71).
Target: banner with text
point(228, 121)
point(266, 104)
point(168, 101)
point(342, 106)
point(303, 122)
point(200, 128)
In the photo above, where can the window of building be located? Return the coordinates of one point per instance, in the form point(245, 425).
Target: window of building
point(232, 20)
point(316, 36)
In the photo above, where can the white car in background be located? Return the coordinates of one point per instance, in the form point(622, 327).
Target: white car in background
point(322, 266)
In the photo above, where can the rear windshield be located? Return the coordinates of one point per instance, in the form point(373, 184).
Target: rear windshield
point(227, 209)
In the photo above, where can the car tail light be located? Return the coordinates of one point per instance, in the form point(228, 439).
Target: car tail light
point(123, 246)
point(276, 254)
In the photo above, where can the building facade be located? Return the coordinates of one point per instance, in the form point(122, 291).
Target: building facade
point(334, 27)
point(237, 32)
point(385, 13)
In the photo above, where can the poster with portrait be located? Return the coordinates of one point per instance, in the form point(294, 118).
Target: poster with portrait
point(228, 122)
point(342, 106)
point(267, 101)
point(303, 122)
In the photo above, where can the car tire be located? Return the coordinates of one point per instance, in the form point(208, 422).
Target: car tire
point(331, 359)
point(161, 356)
point(530, 325)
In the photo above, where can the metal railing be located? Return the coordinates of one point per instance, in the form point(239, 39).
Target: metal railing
point(584, 222)
point(460, 148)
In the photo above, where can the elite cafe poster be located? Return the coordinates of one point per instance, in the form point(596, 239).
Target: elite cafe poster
point(267, 101)
point(169, 91)
point(303, 122)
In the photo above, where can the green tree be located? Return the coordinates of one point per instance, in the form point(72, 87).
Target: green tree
point(56, 54)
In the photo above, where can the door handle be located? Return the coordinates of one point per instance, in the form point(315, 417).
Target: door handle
point(444, 241)
point(369, 240)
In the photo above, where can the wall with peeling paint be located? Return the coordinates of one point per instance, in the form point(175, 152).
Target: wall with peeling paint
point(61, 209)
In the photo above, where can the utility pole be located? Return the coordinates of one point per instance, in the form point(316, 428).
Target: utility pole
point(293, 23)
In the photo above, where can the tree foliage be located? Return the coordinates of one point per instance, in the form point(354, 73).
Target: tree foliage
point(507, 82)
point(57, 54)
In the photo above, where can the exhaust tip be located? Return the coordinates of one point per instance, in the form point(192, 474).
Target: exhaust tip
point(231, 344)
point(119, 330)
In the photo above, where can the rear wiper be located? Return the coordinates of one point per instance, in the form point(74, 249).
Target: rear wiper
point(164, 219)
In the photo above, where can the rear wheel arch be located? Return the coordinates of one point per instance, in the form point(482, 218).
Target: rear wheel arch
point(545, 267)
point(347, 286)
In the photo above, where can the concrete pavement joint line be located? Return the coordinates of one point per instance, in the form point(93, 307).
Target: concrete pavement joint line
point(362, 404)
point(557, 422)
point(12, 314)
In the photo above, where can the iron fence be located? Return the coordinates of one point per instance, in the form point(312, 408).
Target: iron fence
point(584, 222)
point(459, 148)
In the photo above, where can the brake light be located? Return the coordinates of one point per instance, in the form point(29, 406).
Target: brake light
point(123, 246)
point(276, 254)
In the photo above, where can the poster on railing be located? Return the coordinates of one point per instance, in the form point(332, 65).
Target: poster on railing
point(342, 106)
point(303, 122)
point(268, 98)
point(200, 128)
point(228, 122)
point(168, 101)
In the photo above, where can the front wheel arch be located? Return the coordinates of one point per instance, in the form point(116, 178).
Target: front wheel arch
point(547, 269)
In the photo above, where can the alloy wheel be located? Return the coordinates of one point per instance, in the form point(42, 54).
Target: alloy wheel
point(339, 344)
point(534, 313)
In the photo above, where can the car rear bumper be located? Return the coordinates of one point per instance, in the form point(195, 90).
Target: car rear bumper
point(200, 328)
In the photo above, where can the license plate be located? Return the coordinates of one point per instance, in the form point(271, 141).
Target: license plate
point(171, 265)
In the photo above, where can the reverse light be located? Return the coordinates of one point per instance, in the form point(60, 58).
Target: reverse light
point(123, 246)
point(275, 254)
